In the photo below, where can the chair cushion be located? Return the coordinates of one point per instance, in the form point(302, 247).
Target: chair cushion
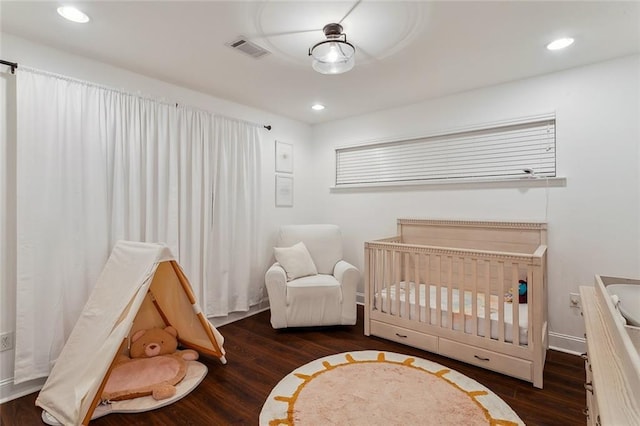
point(295, 260)
point(323, 292)
point(324, 242)
point(313, 301)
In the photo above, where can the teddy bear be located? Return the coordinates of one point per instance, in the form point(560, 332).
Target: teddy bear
point(154, 366)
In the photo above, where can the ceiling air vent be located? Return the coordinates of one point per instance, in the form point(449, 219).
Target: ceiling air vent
point(247, 47)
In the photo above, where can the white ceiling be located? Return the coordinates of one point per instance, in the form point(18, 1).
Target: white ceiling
point(406, 51)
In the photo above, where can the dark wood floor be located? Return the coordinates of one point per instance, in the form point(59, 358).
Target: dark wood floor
point(258, 357)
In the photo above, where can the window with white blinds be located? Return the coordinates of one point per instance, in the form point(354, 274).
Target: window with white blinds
point(500, 152)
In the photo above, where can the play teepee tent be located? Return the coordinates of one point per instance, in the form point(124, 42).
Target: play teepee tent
point(141, 286)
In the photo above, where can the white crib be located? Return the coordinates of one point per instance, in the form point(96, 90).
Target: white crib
point(445, 286)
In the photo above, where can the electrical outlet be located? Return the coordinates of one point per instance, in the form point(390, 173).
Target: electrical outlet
point(574, 300)
point(6, 341)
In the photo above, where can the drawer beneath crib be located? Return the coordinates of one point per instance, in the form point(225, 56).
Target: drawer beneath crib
point(405, 336)
point(501, 363)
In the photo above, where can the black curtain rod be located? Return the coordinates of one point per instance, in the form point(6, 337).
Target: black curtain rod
point(13, 65)
point(266, 126)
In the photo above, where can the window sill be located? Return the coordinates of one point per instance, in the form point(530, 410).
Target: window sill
point(525, 182)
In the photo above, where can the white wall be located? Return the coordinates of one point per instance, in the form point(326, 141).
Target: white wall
point(593, 221)
point(38, 56)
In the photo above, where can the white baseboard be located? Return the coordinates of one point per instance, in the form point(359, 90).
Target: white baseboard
point(10, 391)
point(360, 298)
point(566, 343)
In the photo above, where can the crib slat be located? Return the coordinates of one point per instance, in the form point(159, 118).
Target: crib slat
point(387, 278)
point(416, 279)
point(474, 296)
point(501, 292)
point(369, 288)
point(380, 277)
point(450, 293)
point(515, 324)
point(408, 286)
point(530, 314)
point(379, 280)
point(438, 284)
point(396, 280)
point(462, 287)
point(373, 276)
point(487, 300)
point(427, 287)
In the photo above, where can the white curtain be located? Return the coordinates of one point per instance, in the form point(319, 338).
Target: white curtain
point(61, 214)
point(96, 165)
point(7, 208)
point(234, 237)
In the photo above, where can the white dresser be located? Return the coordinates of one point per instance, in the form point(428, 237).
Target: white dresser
point(612, 360)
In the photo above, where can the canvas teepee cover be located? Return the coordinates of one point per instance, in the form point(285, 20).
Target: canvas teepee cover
point(141, 286)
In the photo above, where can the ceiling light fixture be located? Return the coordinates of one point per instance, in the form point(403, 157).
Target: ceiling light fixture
point(334, 55)
point(560, 43)
point(73, 14)
point(317, 107)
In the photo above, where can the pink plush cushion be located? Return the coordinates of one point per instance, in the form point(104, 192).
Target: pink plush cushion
point(145, 376)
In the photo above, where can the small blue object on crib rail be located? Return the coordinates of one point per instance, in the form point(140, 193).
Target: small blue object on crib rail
point(522, 291)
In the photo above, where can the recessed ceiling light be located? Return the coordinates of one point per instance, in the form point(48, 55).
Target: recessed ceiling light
point(317, 107)
point(73, 14)
point(560, 43)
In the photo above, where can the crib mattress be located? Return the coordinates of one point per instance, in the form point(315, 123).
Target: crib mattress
point(460, 321)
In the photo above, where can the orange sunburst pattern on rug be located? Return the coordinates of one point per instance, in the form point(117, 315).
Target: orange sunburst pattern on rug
point(373, 387)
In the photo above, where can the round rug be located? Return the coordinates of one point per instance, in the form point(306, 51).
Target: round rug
point(382, 388)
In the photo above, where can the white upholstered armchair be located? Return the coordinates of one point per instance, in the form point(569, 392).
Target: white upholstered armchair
point(310, 284)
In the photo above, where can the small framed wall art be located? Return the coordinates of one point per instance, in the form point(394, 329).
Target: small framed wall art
point(284, 191)
point(284, 157)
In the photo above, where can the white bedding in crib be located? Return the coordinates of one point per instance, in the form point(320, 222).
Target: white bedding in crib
point(458, 319)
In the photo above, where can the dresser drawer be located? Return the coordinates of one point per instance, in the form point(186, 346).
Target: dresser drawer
point(506, 364)
point(405, 336)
